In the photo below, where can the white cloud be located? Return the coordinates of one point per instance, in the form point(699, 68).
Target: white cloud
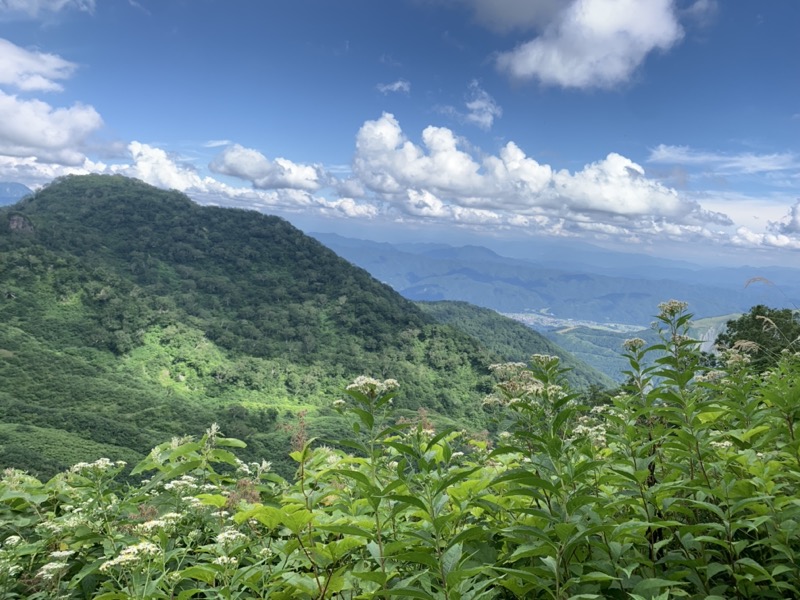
point(482, 109)
point(35, 172)
point(595, 43)
point(217, 143)
point(34, 128)
point(349, 208)
point(790, 225)
point(154, 166)
point(744, 163)
point(251, 165)
point(29, 70)
point(702, 12)
point(438, 177)
point(37, 8)
point(401, 85)
point(747, 238)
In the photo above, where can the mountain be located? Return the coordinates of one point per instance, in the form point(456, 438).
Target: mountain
point(626, 293)
point(131, 314)
point(511, 339)
point(11, 192)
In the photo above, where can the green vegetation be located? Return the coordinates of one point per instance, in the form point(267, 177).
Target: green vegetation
point(512, 340)
point(686, 486)
point(131, 315)
point(598, 348)
point(768, 331)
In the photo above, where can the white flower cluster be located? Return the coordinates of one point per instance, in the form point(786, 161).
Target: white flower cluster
point(166, 522)
point(253, 469)
point(594, 432)
point(9, 569)
point(230, 537)
point(672, 308)
point(184, 484)
point(373, 387)
point(633, 344)
point(545, 361)
point(710, 376)
point(17, 479)
point(51, 570)
point(132, 556)
point(99, 466)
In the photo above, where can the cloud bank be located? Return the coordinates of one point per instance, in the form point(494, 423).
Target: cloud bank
point(33, 127)
point(595, 43)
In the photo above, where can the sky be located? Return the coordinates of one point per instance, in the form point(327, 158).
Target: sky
point(666, 127)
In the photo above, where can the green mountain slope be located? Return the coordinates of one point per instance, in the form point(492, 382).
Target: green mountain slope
point(511, 339)
point(131, 314)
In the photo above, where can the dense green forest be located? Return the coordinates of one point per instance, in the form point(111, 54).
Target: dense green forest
point(131, 314)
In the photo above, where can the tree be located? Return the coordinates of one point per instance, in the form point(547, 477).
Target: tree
point(772, 330)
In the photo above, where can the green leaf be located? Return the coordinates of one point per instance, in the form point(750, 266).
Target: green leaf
point(230, 442)
point(455, 478)
point(406, 592)
point(269, 516)
point(202, 573)
point(346, 530)
point(412, 500)
point(217, 500)
point(655, 583)
point(451, 558)
point(224, 456)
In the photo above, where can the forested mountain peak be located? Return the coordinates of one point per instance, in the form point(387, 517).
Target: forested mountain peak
point(132, 313)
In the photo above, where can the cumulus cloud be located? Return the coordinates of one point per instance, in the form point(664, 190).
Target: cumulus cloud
point(401, 85)
point(790, 225)
point(35, 128)
point(348, 207)
point(480, 108)
point(35, 172)
point(29, 70)
point(38, 8)
point(263, 173)
point(438, 179)
point(750, 239)
point(157, 167)
point(745, 163)
point(595, 43)
point(154, 166)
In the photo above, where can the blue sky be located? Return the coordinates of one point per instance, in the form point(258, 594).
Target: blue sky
point(669, 127)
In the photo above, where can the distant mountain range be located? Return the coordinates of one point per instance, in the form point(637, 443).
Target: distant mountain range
point(11, 193)
point(599, 286)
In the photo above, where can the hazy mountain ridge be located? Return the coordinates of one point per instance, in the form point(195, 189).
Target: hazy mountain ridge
point(614, 293)
point(11, 192)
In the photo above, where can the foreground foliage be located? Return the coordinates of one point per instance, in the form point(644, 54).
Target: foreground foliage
point(684, 486)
